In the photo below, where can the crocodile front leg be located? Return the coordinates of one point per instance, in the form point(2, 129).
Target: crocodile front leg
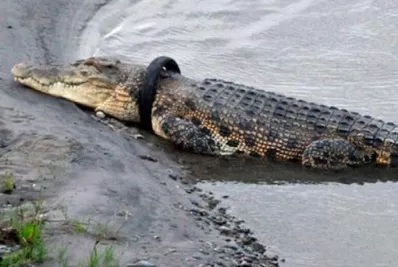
point(185, 135)
point(335, 154)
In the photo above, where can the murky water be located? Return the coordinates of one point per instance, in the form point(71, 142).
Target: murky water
point(341, 52)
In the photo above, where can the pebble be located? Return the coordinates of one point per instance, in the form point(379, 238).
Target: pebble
point(213, 203)
point(222, 211)
point(194, 202)
point(100, 114)
point(224, 230)
point(189, 190)
point(257, 247)
point(148, 158)
point(218, 220)
point(200, 212)
point(173, 177)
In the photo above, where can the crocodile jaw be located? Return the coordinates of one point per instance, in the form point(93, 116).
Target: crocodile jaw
point(64, 82)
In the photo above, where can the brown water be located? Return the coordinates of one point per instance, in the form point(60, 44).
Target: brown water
point(341, 53)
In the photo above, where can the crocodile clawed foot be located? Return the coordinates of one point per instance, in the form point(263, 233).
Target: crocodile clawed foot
point(334, 154)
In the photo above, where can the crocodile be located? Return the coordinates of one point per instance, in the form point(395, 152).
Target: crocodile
point(215, 116)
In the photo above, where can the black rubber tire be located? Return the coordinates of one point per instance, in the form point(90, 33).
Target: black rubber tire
point(148, 90)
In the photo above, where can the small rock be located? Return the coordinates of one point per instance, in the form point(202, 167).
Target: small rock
point(173, 177)
point(246, 240)
point(190, 190)
point(199, 212)
point(223, 211)
point(213, 203)
point(149, 158)
point(194, 202)
point(224, 230)
point(218, 220)
point(142, 264)
point(9, 27)
point(100, 114)
point(198, 189)
point(37, 187)
point(198, 219)
point(243, 230)
point(257, 247)
point(274, 258)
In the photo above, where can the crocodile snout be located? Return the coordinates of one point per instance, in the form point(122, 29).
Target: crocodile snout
point(22, 70)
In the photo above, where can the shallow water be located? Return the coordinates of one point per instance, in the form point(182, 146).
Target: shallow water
point(339, 53)
point(320, 225)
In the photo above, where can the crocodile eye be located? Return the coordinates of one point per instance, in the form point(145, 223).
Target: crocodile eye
point(388, 142)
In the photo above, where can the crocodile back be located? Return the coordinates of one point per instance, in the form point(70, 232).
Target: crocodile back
point(274, 125)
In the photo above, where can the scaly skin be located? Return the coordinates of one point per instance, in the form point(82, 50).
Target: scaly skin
point(217, 117)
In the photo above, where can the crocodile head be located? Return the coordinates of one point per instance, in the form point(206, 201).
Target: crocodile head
point(103, 84)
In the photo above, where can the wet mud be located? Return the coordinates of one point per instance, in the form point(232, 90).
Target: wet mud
point(83, 170)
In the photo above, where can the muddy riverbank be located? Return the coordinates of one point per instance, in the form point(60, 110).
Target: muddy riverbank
point(135, 194)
